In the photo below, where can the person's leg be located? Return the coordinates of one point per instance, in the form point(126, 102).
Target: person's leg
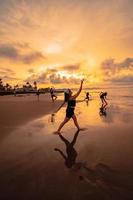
point(62, 124)
point(55, 97)
point(52, 98)
point(102, 102)
point(87, 102)
point(105, 103)
point(75, 121)
point(104, 107)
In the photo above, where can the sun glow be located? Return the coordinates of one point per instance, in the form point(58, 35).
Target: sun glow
point(69, 75)
point(53, 48)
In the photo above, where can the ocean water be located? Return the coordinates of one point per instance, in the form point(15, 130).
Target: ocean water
point(93, 164)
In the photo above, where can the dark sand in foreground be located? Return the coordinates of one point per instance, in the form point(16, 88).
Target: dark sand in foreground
point(31, 169)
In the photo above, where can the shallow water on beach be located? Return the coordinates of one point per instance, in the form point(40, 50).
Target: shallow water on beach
point(94, 164)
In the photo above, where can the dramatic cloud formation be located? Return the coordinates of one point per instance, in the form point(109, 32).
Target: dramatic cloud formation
point(52, 76)
point(8, 51)
point(10, 78)
point(30, 58)
point(41, 35)
point(110, 64)
point(7, 75)
point(124, 79)
point(73, 67)
point(5, 71)
point(118, 71)
point(14, 52)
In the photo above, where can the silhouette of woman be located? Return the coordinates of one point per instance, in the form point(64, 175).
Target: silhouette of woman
point(70, 158)
point(71, 104)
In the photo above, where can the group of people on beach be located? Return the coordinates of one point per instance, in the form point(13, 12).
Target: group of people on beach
point(70, 99)
point(52, 93)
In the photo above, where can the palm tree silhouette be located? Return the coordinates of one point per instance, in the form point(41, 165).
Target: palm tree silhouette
point(1, 85)
point(35, 85)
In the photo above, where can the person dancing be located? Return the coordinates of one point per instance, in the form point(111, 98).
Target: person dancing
point(71, 104)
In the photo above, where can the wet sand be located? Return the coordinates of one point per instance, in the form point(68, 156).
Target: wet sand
point(94, 164)
point(15, 111)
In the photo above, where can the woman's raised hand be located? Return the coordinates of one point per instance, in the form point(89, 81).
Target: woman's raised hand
point(82, 80)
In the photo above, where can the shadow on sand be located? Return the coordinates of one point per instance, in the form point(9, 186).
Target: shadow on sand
point(102, 181)
point(103, 111)
point(71, 153)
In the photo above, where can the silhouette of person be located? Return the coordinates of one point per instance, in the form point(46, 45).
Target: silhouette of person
point(87, 96)
point(70, 158)
point(71, 104)
point(52, 118)
point(103, 97)
point(53, 96)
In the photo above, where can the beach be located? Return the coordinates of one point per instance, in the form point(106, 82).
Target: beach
point(66, 100)
point(35, 163)
point(15, 111)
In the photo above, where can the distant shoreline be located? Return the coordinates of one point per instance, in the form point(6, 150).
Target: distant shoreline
point(5, 93)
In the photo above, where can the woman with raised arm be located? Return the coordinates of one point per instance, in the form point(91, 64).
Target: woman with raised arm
point(71, 104)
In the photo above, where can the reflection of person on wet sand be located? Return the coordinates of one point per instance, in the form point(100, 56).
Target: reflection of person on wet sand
point(87, 102)
point(100, 176)
point(102, 111)
point(38, 94)
point(71, 104)
point(70, 158)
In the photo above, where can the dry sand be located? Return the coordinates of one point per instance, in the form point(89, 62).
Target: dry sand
point(15, 111)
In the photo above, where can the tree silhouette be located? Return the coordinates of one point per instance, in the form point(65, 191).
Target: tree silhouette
point(1, 84)
point(8, 87)
point(35, 85)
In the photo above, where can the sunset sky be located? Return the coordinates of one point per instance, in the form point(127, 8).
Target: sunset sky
point(58, 42)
